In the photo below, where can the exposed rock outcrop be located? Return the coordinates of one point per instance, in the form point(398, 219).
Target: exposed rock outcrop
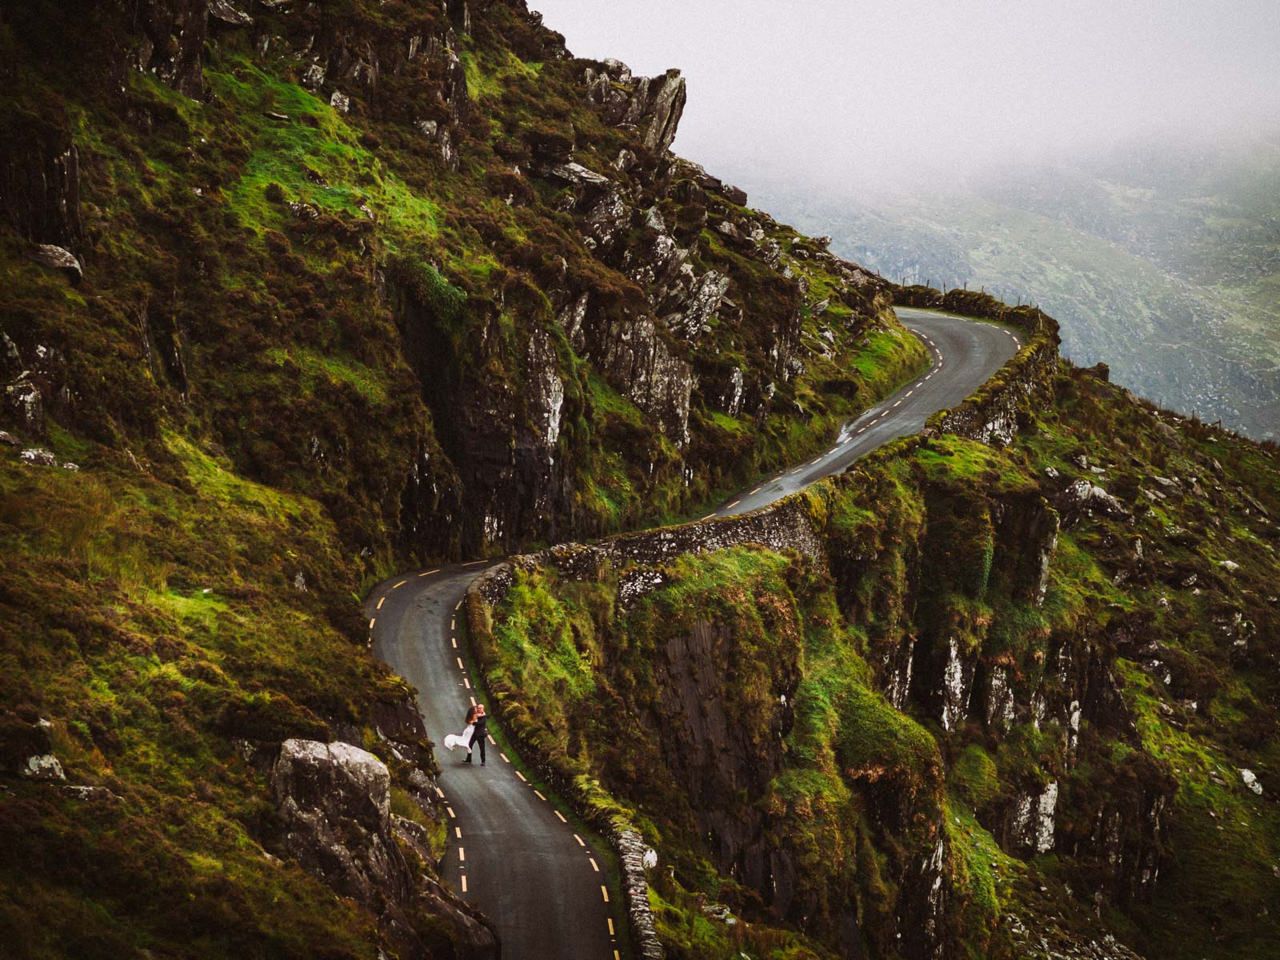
point(652, 104)
point(334, 803)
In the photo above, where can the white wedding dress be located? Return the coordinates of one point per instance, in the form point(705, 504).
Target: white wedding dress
point(462, 739)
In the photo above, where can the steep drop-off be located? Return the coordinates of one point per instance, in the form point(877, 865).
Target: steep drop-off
point(1001, 699)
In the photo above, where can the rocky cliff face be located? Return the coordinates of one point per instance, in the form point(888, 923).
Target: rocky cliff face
point(578, 324)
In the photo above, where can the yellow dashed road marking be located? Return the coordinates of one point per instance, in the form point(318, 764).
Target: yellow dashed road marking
point(604, 892)
point(611, 926)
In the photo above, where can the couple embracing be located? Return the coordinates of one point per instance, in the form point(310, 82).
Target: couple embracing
point(474, 733)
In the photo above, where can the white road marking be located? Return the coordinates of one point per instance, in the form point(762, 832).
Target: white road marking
point(579, 839)
point(381, 601)
point(427, 573)
point(909, 393)
point(464, 888)
point(505, 758)
point(604, 892)
point(372, 622)
point(439, 793)
point(453, 623)
point(521, 776)
point(491, 740)
point(561, 816)
point(397, 586)
point(472, 563)
point(462, 855)
point(467, 682)
point(454, 641)
point(707, 517)
point(457, 833)
point(594, 865)
point(452, 815)
point(473, 701)
point(756, 490)
point(460, 666)
point(539, 795)
point(732, 505)
point(458, 605)
point(611, 927)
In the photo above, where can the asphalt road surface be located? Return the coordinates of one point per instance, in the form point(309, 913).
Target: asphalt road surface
point(965, 354)
point(511, 853)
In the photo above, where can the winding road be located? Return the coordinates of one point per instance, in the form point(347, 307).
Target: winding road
point(511, 852)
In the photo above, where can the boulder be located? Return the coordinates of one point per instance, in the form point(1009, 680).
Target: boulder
point(1083, 498)
point(38, 456)
point(43, 766)
point(335, 801)
point(58, 258)
point(224, 12)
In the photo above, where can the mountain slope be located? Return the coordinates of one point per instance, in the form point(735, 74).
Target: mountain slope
point(293, 294)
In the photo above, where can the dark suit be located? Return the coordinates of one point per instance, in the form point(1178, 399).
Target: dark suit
point(478, 734)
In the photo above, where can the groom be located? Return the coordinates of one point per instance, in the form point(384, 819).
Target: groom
point(478, 733)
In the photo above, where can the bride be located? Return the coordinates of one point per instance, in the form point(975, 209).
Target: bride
point(462, 739)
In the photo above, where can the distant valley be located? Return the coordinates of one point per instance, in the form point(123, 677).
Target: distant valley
point(1164, 262)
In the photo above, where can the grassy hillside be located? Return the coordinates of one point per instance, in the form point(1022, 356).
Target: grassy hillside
point(292, 295)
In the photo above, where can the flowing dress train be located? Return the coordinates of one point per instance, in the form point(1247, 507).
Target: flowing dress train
point(462, 739)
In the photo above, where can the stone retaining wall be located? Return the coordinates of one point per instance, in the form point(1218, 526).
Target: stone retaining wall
point(1002, 406)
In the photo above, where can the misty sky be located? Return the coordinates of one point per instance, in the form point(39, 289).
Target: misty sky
point(862, 95)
